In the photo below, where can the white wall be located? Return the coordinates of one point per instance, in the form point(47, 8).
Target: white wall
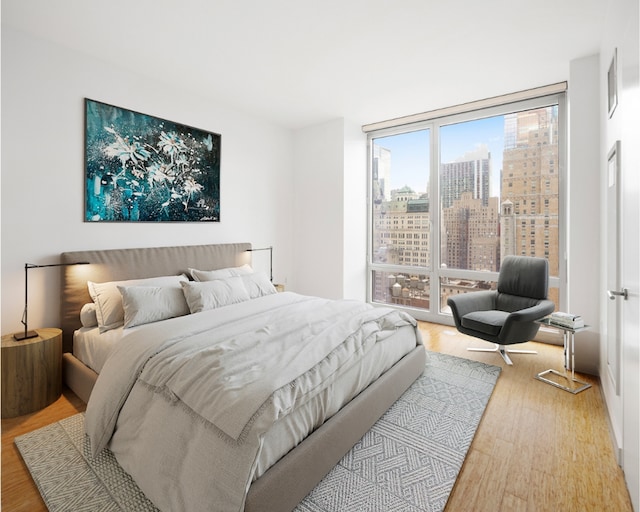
point(583, 279)
point(318, 209)
point(330, 210)
point(621, 31)
point(43, 88)
point(355, 212)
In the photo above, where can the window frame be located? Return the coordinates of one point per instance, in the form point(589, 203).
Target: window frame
point(434, 270)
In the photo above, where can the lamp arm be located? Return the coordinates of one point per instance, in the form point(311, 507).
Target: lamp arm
point(270, 248)
point(25, 321)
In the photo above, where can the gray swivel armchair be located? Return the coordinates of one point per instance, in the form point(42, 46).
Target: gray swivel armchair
point(507, 315)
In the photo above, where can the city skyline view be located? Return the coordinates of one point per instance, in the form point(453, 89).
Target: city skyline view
point(498, 195)
point(412, 151)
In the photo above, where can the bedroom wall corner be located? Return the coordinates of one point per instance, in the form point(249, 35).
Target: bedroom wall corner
point(583, 277)
point(318, 209)
point(355, 212)
point(42, 202)
point(330, 210)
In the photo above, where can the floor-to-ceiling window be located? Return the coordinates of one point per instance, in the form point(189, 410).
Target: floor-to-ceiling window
point(451, 196)
point(401, 233)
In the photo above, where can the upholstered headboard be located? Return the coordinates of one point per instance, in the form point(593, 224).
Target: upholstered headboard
point(121, 264)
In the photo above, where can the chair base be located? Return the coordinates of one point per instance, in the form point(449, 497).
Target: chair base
point(503, 351)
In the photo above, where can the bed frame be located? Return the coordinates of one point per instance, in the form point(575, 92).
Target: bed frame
point(286, 483)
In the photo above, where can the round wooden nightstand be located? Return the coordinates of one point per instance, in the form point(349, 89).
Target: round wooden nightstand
point(31, 372)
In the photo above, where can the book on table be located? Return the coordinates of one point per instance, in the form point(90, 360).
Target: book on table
point(566, 320)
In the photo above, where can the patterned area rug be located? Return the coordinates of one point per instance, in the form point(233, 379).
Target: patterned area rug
point(408, 461)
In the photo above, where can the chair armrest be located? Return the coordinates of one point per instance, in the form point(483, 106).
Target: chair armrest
point(520, 325)
point(473, 301)
point(540, 310)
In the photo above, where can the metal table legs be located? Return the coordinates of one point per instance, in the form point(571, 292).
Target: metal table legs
point(568, 337)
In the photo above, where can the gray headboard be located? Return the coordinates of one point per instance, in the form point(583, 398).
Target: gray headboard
point(121, 264)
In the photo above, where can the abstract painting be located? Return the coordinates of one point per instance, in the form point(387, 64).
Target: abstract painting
point(140, 168)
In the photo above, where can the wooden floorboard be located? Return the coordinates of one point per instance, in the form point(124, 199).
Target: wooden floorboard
point(537, 448)
point(19, 493)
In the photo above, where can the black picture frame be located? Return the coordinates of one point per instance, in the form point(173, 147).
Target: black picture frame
point(141, 168)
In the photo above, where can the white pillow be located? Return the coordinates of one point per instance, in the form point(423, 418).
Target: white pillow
point(258, 284)
point(88, 317)
point(223, 273)
point(214, 294)
point(146, 304)
point(108, 299)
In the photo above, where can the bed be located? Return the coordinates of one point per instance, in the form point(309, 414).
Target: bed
point(281, 475)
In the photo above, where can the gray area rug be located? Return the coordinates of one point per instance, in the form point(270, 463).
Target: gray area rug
point(408, 461)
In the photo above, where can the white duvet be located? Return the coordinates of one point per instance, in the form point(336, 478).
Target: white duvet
point(195, 396)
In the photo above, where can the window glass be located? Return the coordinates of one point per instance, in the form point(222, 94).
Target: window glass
point(400, 199)
point(451, 197)
point(485, 210)
point(408, 289)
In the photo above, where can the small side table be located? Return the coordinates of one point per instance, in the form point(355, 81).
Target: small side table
point(31, 372)
point(568, 337)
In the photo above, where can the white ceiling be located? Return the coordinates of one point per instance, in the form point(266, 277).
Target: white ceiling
point(303, 62)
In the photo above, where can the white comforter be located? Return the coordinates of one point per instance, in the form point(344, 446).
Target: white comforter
point(231, 372)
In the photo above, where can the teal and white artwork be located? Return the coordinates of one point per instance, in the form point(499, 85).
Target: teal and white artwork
point(141, 168)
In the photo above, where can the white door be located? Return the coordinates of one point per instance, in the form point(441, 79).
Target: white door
point(629, 205)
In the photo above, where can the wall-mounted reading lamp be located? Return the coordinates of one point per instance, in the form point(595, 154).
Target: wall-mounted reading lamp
point(27, 334)
point(270, 249)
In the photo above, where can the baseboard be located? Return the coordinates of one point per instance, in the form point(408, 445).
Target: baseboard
point(617, 449)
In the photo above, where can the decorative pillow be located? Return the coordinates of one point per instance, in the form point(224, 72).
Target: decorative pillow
point(146, 304)
point(108, 299)
point(258, 284)
point(88, 317)
point(223, 273)
point(214, 294)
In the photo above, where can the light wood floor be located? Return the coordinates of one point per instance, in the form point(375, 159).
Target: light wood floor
point(19, 493)
point(537, 448)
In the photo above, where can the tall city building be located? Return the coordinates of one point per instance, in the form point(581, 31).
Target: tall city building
point(401, 236)
point(469, 173)
point(381, 172)
point(507, 228)
point(529, 185)
point(471, 231)
point(401, 229)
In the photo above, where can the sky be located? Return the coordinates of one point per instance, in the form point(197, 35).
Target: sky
point(410, 152)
